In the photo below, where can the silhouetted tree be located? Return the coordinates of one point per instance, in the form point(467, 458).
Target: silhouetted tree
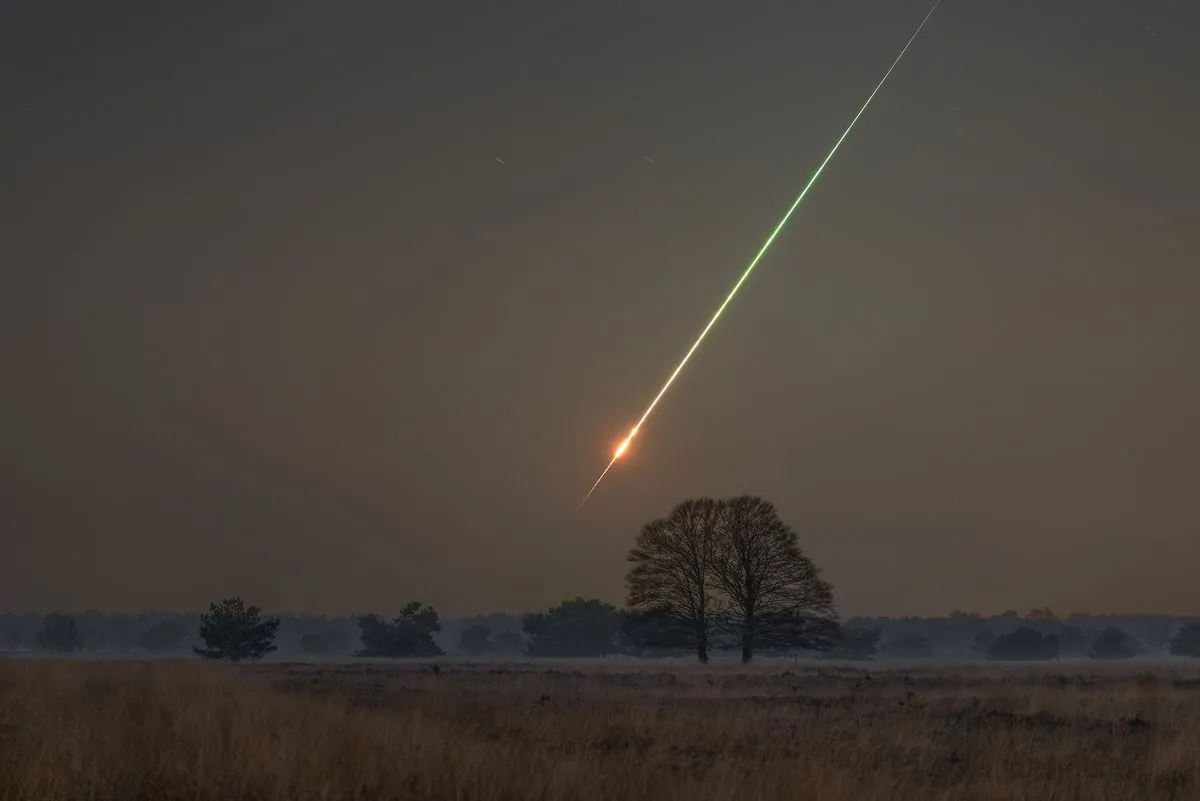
point(671, 581)
point(820, 634)
point(774, 593)
point(636, 632)
point(409, 635)
point(856, 644)
point(1024, 644)
point(163, 637)
point(1186, 641)
point(510, 643)
point(325, 643)
point(14, 637)
point(1071, 640)
point(378, 637)
point(235, 632)
point(648, 634)
point(476, 640)
point(576, 628)
point(1113, 644)
point(90, 625)
point(959, 616)
point(909, 646)
point(1045, 614)
point(59, 633)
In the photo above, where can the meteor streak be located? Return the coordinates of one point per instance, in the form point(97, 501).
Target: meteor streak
point(620, 451)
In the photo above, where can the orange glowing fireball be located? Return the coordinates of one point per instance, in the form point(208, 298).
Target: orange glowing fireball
point(624, 446)
point(620, 451)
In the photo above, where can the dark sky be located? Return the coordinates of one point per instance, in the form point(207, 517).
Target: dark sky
point(276, 321)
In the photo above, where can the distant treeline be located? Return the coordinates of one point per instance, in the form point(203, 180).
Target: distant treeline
point(713, 576)
point(1039, 634)
point(592, 628)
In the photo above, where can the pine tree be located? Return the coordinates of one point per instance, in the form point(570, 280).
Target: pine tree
point(234, 632)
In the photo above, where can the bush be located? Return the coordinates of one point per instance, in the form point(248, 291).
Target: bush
point(1114, 644)
point(1024, 645)
point(409, 635)
point(1186, 641)
point(234, 632)
point(59, 634)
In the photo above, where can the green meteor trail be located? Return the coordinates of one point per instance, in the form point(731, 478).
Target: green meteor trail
point(620, 450)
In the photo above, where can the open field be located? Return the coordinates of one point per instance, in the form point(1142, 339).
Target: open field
point(616, 730)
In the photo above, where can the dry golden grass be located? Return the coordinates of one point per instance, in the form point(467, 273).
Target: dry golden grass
point(617, 732)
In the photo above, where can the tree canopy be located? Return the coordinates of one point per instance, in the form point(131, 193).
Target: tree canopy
point(672, 581)
point(59, 633)
point(1186, 641)
point(235, 632)
point(410, 634)
point(732, 567)
point(774, 593)
point(575, 628)
point(1114, 644)
point(1024, 644)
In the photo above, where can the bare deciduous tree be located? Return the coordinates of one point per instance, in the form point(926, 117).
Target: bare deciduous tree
point(775, 593)
point(672, 574)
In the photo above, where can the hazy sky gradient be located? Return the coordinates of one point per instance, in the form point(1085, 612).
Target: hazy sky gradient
point(274, 320)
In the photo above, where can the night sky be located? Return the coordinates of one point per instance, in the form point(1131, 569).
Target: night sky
point(275, 320)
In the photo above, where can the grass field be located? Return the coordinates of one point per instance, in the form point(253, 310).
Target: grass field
point(616, 731)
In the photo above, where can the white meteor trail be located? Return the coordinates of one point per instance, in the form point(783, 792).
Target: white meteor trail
point(624, 446)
